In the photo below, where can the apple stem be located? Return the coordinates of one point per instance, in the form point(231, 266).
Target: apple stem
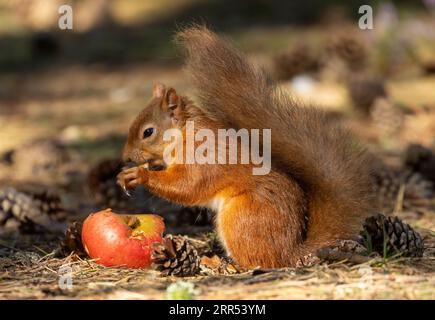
point(132, 222)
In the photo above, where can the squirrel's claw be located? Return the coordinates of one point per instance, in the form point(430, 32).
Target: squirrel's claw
point(121, 183)
point(127, 193)
point(129, 179)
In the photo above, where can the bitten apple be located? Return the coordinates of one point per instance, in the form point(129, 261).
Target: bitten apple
point(121, 240)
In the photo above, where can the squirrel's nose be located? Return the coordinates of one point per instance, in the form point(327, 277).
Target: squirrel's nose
point(126, 155)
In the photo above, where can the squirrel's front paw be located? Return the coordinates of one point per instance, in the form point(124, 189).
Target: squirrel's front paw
point(132, 177)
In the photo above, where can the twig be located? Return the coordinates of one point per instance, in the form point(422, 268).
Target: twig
point(333, 255)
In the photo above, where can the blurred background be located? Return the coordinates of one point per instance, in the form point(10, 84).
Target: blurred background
point(67, 97)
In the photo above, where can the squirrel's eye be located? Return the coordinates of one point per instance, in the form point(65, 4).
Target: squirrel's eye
point(148, 132)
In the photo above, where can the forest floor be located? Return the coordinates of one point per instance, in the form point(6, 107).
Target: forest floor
point(31, 272)
point(91, 108)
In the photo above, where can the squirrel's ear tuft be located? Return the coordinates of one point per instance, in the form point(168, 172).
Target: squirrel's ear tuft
point(174, 104)
point(159, 90)
point(172, 99)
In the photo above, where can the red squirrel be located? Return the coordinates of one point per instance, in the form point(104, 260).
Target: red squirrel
point(318, 190)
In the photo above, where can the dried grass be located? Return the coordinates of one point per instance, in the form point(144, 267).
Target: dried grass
point(28, 270)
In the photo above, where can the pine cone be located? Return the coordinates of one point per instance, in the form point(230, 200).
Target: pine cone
point(422, 160)
point(209, 245)
point(104, 170)
point(387, 117)
point(175, 256)
point(17, 207)
point(350, 50)
point(47, 199)
point(299, 60)
point(20, 211)
point(364, 91)
point(43, 161)
point(72, 242)
point(7, 204)
point(397, 236)
point(102, 184)
point(388, 182)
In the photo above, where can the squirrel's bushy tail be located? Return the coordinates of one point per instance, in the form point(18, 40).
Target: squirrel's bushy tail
point(317, 153)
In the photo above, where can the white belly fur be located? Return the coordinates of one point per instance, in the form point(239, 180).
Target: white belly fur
point(217, 205)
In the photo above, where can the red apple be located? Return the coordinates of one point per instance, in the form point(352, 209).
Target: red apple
point(121, 240)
